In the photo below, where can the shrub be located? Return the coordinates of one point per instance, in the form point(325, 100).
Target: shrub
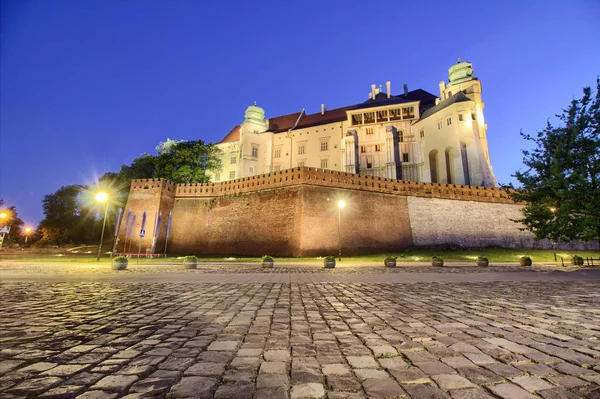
point(190, 257)
point(267, 258)
point(330, 257)
point(120, 258)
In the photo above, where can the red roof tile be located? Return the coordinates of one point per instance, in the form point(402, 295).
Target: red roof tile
point(233, 135)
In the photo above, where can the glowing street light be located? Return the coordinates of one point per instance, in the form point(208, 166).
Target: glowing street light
point(102, 197)
point(27, 232)
point(3, 215)
point(341, 205)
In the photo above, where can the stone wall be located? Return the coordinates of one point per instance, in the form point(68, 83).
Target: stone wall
point(435, 221)
point(294, 213)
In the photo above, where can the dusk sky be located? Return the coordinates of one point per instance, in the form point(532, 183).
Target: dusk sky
point(87, 86)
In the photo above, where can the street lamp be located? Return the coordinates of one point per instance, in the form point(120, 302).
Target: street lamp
point(102, 197)
point(27, 231)
point(553, 210)
point(341, 205)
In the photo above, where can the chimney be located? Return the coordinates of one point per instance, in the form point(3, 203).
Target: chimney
point(405, 90)
point(388, 88)
point(442, 89)
point(322, 109)
point(373, 91)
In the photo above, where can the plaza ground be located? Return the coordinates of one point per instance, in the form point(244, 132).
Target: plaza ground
point(235, 330)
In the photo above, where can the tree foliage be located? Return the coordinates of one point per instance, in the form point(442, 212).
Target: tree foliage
point(13, 220)
point(67, 218)
point(561, 187)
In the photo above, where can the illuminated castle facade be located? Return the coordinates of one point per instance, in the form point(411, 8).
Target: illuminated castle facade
point(412, 136)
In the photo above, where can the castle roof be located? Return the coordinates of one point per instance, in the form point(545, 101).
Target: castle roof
point(233, 135)
point(284, 123)
point(456, 98)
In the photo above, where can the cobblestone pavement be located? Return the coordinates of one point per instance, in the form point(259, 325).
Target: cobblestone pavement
point(151, 332)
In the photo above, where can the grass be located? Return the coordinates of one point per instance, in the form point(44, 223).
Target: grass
point(499, 255)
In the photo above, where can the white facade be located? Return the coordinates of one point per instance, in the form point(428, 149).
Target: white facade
point(413, 136)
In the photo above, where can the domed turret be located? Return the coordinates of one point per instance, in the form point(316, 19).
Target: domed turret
point(255, 114)
point(460, 72)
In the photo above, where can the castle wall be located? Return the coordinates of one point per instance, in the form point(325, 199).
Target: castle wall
point(294, 213)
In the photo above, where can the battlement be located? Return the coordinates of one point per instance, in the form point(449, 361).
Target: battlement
point(145, 184)
point(336, 179)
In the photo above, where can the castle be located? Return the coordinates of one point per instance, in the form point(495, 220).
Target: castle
point(413, 169)
point(413, 136)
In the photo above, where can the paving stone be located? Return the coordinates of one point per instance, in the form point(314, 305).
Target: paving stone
point(480, 376)
point(276, 393)
point(335, 369)
point(424, 391)
point(115, 383)
point(383, 388)
point(452, 381)
point(305, 376)
point(206, 369)
point(8, 365)
point(531, 384)
point(176, 363)
point(361, 362)
point(240, 389)
point(36, 386)
point(458, 361)
point(223, 346)
point(65, 370)
point(557, 393)
point(434, 368)
point(470, 393)
point(410, 376)
point(273, 368)
point(277, 355)
point(196, 387)
point(97, 395)
point(343, 383)
point(62, 392)
point(309, 390)
point(345, 395)
point(271, 381)
point(152, 386)
point(566, 381)
point(510, 391)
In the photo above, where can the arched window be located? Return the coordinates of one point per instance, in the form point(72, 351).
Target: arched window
point(465, 163)
point(433, 166)
point(449, 166)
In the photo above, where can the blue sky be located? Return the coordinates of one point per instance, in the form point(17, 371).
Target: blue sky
point(86, 86)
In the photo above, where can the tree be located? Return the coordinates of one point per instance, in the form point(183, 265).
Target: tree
point(561, 187)
point(13, 220)
point(67, 219)
point(186, 161)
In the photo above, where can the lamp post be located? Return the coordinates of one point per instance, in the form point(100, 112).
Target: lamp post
point(341, 205)
point(553, 210)
point(27, 232)
point(102, 197)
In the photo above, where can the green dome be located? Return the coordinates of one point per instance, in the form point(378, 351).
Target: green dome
point(255, 114)
point(460, 72)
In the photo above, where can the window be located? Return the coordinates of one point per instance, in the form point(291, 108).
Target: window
point(401, 136)
point(218, 177)
point(449, 94)
point(277, 153)
point(422, 133)
point(460, 117)
point(473, 116)
point(276, 168)
point(251, 170)
point(301, 148)
point(449, 121)
point(324, 146)
point(369, 162)
point(231, 175)
point(363, 149)
point(405, 157)
point(254, 152)
point(301, 163)
point(233, 158)
point(324, 163)
point(439, 125)
point(369, 130)
point(377, 147)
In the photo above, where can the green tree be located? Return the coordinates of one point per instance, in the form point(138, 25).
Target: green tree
point(187, 161)
point(67, 218)
point(561, 187)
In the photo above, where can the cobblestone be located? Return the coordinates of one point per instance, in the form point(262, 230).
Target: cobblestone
point(301, 332)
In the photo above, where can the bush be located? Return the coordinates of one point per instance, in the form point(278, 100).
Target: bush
point(267, 258)
point(190, 257)
point(330, 257)
point(120, 258)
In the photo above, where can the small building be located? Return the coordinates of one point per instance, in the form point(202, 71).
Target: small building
point(412, 136)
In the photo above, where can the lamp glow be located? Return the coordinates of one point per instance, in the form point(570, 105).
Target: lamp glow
point(101, 197)
point(3, 215)
point(341, 204)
